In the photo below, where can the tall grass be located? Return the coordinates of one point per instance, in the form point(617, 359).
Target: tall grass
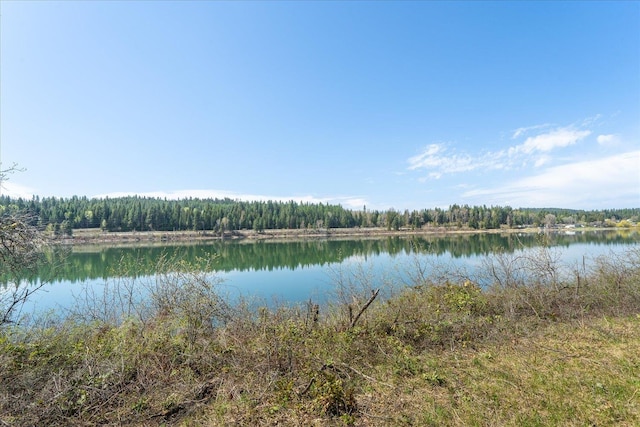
point(542, 344)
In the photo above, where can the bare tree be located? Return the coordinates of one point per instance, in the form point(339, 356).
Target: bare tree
point(21, 247)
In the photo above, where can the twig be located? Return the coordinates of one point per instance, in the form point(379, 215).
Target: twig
point(364, 307)
point(366, 376)
point(307, 388)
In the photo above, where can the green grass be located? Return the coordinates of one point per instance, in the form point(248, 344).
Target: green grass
point(445, 354)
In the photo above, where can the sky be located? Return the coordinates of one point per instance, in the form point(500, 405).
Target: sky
point(404, 105)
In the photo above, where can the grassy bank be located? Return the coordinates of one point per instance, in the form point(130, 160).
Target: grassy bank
point(535, 353)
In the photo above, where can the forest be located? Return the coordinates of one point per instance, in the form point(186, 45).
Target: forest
point(62, 215)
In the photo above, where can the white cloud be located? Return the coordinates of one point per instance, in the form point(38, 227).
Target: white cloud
point(542, 160)
point(350, 202)
point(607, 139)
point(16, 190)
point(523, 130)
point(355, 203)
point(429, 157)
point(546, 142)
point(610, 182)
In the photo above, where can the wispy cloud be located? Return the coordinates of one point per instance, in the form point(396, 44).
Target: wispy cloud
point(351, 202)
point(612, 181)
point(439, 159)
point(546, 142)
point(523, 130)
point(434, 157)
point(547, 171)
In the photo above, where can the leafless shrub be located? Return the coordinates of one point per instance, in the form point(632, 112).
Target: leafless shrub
point(110, 302)
point(504, 270)
point(21, 250)
point(356, 286)
point(180, 290)
point(613, 284)
point(192, 297)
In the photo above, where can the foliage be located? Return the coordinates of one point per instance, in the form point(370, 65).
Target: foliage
point(438, 353)
point(61, 215)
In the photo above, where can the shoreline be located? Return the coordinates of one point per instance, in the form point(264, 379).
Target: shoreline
point(83, 237)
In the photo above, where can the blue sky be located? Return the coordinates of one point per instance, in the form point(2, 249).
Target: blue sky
point(386, 104)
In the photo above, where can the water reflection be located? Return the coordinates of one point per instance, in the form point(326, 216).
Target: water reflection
point(82, 263)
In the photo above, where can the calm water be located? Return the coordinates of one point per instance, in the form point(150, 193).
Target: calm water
point(297, 271)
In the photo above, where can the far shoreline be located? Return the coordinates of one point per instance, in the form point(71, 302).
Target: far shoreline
point(82, 237)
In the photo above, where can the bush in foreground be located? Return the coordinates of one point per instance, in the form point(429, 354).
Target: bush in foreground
point(544, 352)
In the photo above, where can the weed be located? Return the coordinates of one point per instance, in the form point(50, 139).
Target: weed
point(438, 354)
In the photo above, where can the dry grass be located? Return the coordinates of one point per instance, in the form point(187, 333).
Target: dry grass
point(449, 354)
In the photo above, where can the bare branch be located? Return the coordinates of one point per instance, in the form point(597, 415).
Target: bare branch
point(374, 294)
point(21, 247)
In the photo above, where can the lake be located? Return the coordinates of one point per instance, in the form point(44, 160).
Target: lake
point(296, 271)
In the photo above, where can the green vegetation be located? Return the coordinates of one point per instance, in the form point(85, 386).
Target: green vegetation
point(61, 216)
point(535, 348)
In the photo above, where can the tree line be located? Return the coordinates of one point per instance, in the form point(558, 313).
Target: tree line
point(63, 215)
